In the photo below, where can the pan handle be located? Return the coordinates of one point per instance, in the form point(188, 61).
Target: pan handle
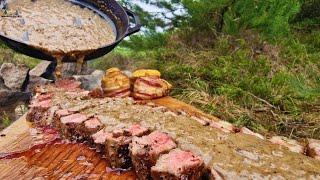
point(137, 22)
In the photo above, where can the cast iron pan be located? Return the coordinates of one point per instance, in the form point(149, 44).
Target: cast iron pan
point(120, 16)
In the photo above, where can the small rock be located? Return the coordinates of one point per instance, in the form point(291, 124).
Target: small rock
point(98, 73)
point(2, 85)
point(11, 98)
point(40, 69)
point(68, 69)
point(14, 76)
point(35, 81)
point(91, 81)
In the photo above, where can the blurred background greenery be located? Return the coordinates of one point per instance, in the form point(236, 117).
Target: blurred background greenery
point(251, 62)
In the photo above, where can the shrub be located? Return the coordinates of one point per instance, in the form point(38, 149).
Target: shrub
point(270, 17)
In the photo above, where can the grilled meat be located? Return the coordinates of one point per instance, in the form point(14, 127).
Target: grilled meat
point(178, 164)
point(146, 150)
point(88, 128)
point(41, 109)
point(313, 148)
point(68, 125)
point(247, 131)
point(150, 88)
point(225, 153)
point(291, 144)
point(117, 145)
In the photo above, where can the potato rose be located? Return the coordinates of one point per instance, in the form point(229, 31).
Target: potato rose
point(115, 83)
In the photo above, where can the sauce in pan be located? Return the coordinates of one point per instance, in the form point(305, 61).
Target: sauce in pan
point(58, 26)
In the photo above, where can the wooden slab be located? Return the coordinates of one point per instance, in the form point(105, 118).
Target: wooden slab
point(23, 158)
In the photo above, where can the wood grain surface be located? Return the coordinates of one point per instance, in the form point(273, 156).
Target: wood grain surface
point(23, 157)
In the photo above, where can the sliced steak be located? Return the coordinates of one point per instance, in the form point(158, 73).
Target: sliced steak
point(215, 175)
point(291, 144)
point(88, 128)
point(202, 121)
point(247, 131)
point(79, 94)
point(223, 126)
point(81, 107)
point(68, 84)
point(43, 97)
point(145, 151)
point(40, 109)
point(138, 130)
point(313, 148)
point(69, 124)
point(59, 114)
point(178, 164)
point(99, 139)
point(117, 147)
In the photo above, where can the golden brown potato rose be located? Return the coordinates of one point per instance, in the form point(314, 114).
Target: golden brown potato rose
point(145, 73)
point(115, 83)
point(150, 88)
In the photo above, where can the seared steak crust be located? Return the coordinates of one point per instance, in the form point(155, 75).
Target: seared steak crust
point(313, 148)
point(146, 150)
point(68, 125)
point(226, 155)
point(40, 109)
point(178, 164)
point(117, 145)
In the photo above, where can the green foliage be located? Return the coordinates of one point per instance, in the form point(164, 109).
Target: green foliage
point(8, 55)
point(204, 15)
point(310, 10)
point(270, 17)
point(6, 121)
point(150, 41)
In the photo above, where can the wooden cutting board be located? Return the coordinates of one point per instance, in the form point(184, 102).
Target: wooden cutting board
point(23, 157)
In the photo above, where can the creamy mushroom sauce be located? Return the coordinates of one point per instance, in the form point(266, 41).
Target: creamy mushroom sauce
point(56, 25)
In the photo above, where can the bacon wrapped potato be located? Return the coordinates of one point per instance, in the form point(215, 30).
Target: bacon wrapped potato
point(150, 87)
point(146, 73)
point(115, 83)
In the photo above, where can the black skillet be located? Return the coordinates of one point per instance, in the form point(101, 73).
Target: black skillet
point(119, 15)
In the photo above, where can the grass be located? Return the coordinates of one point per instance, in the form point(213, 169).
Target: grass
point(9, 114)
point(5, 120)
point(9, 56)
point(270, 88)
